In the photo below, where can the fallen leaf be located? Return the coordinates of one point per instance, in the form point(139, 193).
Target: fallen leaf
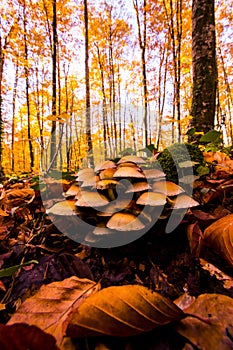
point(121, 311)
point(219, 236)
point(22, 336)
point(220, 275)
point(9, 271)
point(49, 307)
point(52, 268)
point(217, 334)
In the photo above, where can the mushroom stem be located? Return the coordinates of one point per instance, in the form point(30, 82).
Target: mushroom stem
point(111, 194)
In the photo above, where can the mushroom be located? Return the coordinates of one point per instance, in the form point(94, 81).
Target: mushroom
point(138, 187)
point(152, 199)
point(108, 164)
point(128, 172)
point(168, 187)
point(64, 208)
point(91, 199)
point(183, 201)
point(124, 222)
point(91, 181)
point(72, 191)
point(84, 174)
point(132, 159)
point(153, 174)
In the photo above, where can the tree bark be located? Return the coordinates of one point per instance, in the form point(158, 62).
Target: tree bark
point(204, 65)
point(54, 87)
point(87, 79)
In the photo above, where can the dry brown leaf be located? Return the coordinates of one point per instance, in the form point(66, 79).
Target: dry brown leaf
point(49, 307)
point(21, 336)
point(17, 197)
point(214, 336)
point(219, 236)
point(121, 311)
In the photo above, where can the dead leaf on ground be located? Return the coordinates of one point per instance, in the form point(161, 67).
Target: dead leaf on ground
point(121, 311)
point(219, 236)
point(21, 336)
point(214, 271)
point(49, 307)
point(216, 335)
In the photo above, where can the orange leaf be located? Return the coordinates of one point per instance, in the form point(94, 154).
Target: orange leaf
point(219, 235)
point(121, 311)
point(48, 308)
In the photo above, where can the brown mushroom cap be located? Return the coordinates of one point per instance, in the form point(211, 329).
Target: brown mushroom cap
point(91, 181)
point(183, 201)
point(128, 172)
point(138, 187)
point(131, 165)
point(64, 208)
point(167, 187)
point(153, 174)
point(101, 231)
point(152, 199)
point(108, 164)
point(72, 191)
point(107, 173)
point(91, 199)
point(106, 184)
point(132, 159)
point(84, 174)
point(124, 222)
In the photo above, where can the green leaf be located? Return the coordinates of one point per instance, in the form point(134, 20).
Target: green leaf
point(211, 136)
point(9, 271)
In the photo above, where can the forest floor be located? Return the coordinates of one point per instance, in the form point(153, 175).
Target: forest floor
point(169, 264)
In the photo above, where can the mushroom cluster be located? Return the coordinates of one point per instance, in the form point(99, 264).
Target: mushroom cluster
point(116, 198)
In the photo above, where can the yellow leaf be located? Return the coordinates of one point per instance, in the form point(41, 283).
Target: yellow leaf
point(49, 307)
point(121, 311)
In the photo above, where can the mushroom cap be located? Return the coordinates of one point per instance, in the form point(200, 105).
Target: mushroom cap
point(128, 172)
point(125, 222)
point(131, 165)
point(132, 159)
point(183, 201)
point(167, 187)
point(138, 187)
point(154, 173)
point(64, 208)
point(106, 184)
point(101, 231)
point(91, 199)
point(107, 173)
point(117, 205)
point(107, 164)
point(72, 191)
point(91, 181)
point(152, 199)
point(84, 174)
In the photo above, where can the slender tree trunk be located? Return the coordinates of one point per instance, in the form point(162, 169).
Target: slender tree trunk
point(204, 65)
point(26, 71)
point(87, 78)
point(142, 45)
point(13, 117)
point(54, 87)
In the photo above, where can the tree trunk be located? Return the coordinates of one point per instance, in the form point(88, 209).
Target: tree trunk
point(54, 87)
point(142, 45)
point(87, 79)
point(26, 71)
point(204, 65)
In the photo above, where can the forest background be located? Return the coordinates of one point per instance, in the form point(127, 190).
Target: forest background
point(134, 49)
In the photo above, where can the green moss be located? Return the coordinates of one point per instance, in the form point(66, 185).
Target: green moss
point(176, 154)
